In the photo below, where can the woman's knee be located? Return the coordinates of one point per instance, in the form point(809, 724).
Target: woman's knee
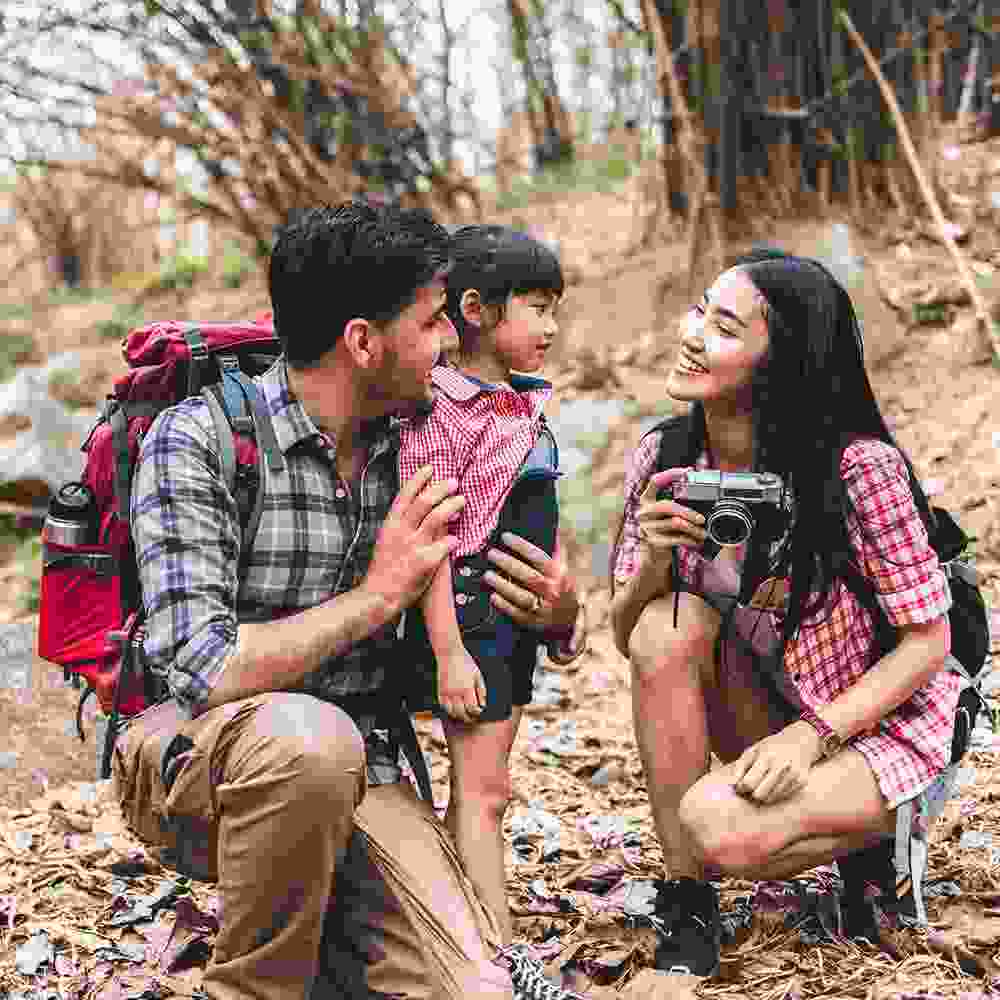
point(655, 646)
point(721, 839)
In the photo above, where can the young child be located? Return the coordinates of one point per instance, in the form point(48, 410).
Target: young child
point(486, 429)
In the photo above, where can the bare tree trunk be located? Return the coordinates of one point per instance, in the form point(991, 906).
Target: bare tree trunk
point(447, 121)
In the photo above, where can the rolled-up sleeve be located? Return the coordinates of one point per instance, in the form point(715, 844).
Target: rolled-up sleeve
point(185, 529)
point(889, 538)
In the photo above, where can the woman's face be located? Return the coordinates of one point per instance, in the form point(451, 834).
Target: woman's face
point(723, 338)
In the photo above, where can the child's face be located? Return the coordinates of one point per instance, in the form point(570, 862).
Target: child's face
point(527, 331)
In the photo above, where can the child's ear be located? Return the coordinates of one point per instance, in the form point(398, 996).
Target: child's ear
point(471, 307)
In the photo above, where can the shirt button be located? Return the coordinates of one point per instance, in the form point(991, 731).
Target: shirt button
point(461, 598)
point(465, 571)
point(341, 493)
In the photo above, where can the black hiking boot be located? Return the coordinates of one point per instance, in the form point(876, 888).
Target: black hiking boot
point(686, 918)
point(873, 865)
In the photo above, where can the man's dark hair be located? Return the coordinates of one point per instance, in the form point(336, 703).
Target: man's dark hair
point(334, 264)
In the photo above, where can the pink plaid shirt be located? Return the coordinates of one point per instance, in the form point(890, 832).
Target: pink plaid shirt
point(480, 435)
point(836, 646)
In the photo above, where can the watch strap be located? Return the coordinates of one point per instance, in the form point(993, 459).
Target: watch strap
point(831, 743)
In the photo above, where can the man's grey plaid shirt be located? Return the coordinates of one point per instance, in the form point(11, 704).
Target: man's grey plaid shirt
point(315, 541)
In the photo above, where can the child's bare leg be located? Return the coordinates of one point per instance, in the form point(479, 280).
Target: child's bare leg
point(480, 791)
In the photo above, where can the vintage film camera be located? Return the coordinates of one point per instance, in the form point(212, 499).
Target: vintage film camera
point(735, 506)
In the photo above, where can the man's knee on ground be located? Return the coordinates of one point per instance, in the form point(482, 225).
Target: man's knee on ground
point(655, 646)
point(720, 839)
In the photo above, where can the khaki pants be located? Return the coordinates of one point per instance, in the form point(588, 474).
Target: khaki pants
point(327, 889)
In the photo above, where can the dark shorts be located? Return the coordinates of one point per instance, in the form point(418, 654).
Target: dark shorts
point(505, 653)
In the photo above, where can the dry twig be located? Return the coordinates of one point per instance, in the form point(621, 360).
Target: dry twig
point(982, 311)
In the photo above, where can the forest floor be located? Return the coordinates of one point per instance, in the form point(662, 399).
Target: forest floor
point(578, 830)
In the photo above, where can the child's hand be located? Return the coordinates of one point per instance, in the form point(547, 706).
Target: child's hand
point(461, 690)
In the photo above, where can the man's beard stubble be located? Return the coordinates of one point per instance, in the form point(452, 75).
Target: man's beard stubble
point(406, 395)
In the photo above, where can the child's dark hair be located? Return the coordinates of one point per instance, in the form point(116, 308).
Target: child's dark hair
point(498, 262)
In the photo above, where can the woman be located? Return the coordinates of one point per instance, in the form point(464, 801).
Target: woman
point(824, 741)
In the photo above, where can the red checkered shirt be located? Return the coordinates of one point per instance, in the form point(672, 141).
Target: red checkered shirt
point(480, 435)
point(833, 648)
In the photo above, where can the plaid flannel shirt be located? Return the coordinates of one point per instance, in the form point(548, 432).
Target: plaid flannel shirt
point(315, 541)
point(833, 648)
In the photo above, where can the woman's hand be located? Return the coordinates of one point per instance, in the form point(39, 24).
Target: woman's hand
point(537, 591)
point(777, 767)
point(664, 524)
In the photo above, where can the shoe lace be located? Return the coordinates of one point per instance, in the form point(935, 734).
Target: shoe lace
point(528, 979)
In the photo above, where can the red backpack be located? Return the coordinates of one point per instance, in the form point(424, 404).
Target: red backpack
point(90, 615)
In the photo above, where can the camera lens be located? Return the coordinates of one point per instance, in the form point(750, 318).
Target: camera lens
point(729, 523)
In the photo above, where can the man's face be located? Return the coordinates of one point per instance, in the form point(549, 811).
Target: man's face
point(413, 344)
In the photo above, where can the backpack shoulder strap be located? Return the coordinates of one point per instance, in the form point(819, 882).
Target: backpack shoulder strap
point(676, 445)
point(237, 405)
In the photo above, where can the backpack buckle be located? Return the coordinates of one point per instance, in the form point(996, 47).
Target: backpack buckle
point(962, 570)
point(128, 632)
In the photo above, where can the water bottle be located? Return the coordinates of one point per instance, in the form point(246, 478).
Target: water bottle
point(71, 520)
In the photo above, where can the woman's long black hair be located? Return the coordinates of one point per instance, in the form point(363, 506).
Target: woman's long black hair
point(811, 397)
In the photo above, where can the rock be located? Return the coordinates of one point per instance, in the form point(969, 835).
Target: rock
point(971, 343)
point(17, 654)
point(49, 450)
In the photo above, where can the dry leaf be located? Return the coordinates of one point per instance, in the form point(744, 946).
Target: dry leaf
point(650, 984)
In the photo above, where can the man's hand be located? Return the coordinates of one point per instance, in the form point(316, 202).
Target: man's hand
point(413, 540)
point(461, 690)
point(777, 767)
point(534, 575)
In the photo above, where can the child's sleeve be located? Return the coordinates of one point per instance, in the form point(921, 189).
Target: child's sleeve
point(436, 441)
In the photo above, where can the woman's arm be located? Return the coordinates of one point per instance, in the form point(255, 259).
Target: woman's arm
point(921, 653)
point(655, 528)
point(651, 580)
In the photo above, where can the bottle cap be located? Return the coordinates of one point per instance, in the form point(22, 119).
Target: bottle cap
point(72, 500)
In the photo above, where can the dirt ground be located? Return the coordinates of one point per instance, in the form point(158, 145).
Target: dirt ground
point(936, 386)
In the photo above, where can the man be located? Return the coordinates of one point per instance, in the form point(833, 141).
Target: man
point(273, 767)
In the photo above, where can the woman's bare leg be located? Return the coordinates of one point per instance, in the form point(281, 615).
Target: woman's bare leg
point(685, 704)
point(840, 810)
point(678, 714)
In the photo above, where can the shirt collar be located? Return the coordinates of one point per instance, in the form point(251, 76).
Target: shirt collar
point(293, 425)
point(461, 387)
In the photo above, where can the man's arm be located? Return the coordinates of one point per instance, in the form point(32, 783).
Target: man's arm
point(185, 527)
point(412, 545)
point(273, 656)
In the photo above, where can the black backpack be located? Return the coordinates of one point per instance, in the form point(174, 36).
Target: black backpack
point(968, 619)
